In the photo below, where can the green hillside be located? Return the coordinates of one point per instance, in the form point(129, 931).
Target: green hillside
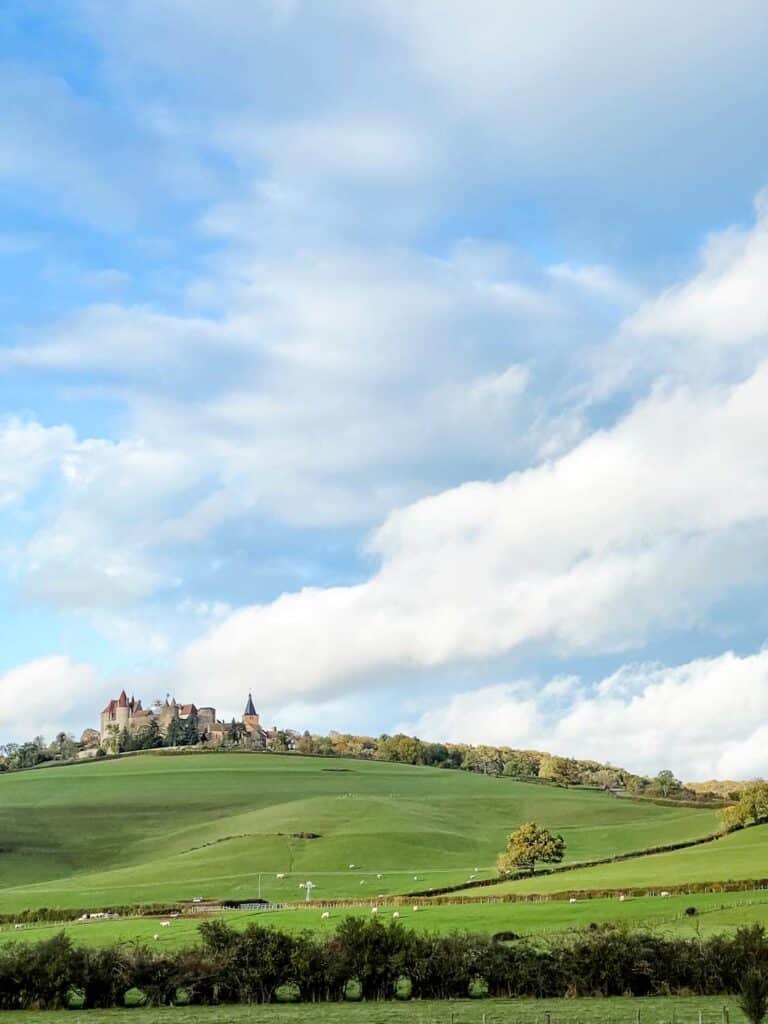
point(740, 855)
point(156, 827)
point(716, 912)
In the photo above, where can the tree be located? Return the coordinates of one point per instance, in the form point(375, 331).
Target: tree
point(235, 731)
point(174, 734)
point(190, 732)
point(753, 995)
point(750, 808)
point(150, 737)
point(666, 783)
point(560, 769)
point(528, 845)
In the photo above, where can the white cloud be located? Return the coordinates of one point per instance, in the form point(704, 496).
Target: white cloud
point(702, 719)
point(39, 696)
point(497, 715)
point(27, 451)
point(726, 302)
point(637, 526)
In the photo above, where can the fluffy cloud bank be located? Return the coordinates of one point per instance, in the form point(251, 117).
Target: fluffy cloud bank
point(703, 719)
point(40, 696)
point(638, 526)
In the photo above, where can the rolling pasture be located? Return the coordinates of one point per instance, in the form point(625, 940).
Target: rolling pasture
point(160, 828)
point(740, 855)
point(715, 913)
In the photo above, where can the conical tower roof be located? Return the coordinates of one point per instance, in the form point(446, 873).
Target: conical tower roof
point(249, 708)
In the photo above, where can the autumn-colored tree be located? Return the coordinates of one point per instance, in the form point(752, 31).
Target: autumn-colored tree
point(527, 846)
point(750, 809)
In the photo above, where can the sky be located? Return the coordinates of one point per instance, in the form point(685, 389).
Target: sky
point(404, 362)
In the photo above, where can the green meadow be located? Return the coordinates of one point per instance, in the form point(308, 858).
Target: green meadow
point(160, 828)
point(740, 855)
point(714, 913)
point(667, 1010)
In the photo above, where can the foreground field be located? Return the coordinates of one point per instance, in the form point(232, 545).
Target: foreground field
point(669, 1010)
point(714, 913)
point(157, 828)
point(738, 855)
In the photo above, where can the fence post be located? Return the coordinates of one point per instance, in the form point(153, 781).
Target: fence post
point(549, 1016)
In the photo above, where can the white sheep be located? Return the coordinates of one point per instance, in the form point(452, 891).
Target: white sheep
point(379, 876)
point(362, 881)
point(622, 898)
point(280, 874)
point(165, 924)
point(325, 916)
point(374, 910)
point(572, 899)
point(396, 915)
point(415, 909)
point(665, 893)
point(156, 937)
point(351, 867)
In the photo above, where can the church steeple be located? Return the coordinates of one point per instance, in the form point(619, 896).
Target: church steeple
point(249, 708)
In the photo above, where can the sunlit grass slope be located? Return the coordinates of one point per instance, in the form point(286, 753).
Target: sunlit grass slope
point(740, 855)
point(161, 828)
point(715, 913)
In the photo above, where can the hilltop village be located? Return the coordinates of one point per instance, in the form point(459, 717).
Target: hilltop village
point(124, 721)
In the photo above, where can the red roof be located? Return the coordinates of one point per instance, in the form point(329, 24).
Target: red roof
point(188, 709)
point(123, 700)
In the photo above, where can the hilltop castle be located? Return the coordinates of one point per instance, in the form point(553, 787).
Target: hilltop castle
point(128, 713)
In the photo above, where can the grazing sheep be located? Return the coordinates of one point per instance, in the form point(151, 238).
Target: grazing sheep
point(165, 924)
point(156, 937)
point(280, 874)
point(572, 899)
point(379, 876)
point(396, 915)
point(415, 909)
point(351, 866)
point(374, 910)
point(622, 898)
point(415, 878)
point(362, 881)
point(665, 893)
point(324, 916)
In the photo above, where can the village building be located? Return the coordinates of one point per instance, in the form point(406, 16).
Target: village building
point(124, 713)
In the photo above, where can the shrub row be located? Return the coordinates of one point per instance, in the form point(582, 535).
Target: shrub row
point(379, 960)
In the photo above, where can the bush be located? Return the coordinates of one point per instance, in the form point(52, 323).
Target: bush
point(753, 995)
point(370, 960)
point(134, 997)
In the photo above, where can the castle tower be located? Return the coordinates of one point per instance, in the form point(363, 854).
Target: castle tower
point(250, 717)
point(122, 711)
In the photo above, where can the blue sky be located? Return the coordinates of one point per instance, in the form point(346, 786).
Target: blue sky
point(404, 363)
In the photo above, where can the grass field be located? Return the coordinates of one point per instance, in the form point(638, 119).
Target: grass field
point(153, 827)
point(669, 1010)
point(738, 855)
point(715, 913)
